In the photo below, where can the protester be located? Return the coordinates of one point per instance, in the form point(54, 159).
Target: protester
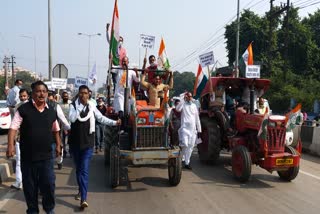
point(217, 108)
point(63, 122)
point(23, 96)
point(37, 121)
point(152, 71)
point(190, 127)
point(82, 116)
point(156, 89)
point(118, 102)
point(13, 96)
point(65, 106)
point(100, 127)
point(122, 53)
point(175, 123)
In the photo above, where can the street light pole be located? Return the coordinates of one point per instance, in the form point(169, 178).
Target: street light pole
point(34, 49)
point(49, 43)
point(89, 46)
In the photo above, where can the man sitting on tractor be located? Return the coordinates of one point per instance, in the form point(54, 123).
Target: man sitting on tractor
point(216, 107)
point(152, 71)
point(156, 89)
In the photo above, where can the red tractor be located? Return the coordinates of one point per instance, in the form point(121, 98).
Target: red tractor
point(259, 138)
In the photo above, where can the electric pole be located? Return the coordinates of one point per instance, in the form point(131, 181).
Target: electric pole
point(6, 61)
point(273, 14)
point(13, 75)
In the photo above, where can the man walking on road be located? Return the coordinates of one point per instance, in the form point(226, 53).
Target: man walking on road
point(65, 106)
point(190, 127)
point(23, 96)
point(37, 121)
point(13, 96)
point(83, 115)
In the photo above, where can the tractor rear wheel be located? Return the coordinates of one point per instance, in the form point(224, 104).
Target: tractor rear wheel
point(114, 166)
point(211, 134)
point(292, 172)
point(111, 138)
point(241, 163)
point(174, 170)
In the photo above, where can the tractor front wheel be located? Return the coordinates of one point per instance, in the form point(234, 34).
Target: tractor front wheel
point(241, 163)
point(114, 166)
point(211, 137)
point(174, 170)
point(292, 172)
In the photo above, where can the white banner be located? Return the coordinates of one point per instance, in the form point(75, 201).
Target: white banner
point(147, 41)
point(80, 81)
point(206, 59)
point(253, 71)
point(49, 84)
point(59, 83)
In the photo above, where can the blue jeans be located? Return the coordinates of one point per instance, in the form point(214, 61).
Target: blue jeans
point(82, 159)
point(38, 175)
point(99, 135)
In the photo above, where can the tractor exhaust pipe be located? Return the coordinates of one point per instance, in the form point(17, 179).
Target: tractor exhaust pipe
point(252, 100)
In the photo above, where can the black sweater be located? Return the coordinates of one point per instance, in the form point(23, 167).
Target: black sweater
point(36, 132)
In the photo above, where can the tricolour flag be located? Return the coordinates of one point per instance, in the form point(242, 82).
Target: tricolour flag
point(200, 83)
point(247, 56)
point(293, 117)
point(114, 42)
point(93, 75)
point(163, 61)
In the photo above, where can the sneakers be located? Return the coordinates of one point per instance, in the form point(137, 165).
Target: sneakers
point(77, 196)
point(84, 204)
point(17, 186)
point(100, 150)
point(96, 151)
point(188, 167)
point(59, 166)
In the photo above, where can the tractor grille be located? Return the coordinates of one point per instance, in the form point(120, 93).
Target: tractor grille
point(276, 139)
point(151, 136)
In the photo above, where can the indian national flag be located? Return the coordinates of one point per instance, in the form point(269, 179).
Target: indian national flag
point(247, 56)
point(200, 83)
point(294, 117)
point(163, 60)
point(115, 35)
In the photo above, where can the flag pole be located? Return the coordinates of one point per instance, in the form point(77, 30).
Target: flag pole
point(109, 82)
point(209, 76)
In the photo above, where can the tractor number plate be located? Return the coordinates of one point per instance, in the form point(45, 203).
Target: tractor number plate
point(281, 161)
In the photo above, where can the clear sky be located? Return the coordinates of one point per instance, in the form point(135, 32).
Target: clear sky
point(188, 27)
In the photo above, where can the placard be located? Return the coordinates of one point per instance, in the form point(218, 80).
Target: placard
point(206, 59)
point(253, 71)
point(147, 41)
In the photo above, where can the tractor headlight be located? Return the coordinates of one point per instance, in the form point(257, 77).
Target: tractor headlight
point(141, 120)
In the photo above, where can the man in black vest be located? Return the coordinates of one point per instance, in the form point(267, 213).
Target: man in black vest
point(82, 116)
point(37, 121)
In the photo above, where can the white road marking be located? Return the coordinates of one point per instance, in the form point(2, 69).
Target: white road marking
point(6, 198)
point(309, 174)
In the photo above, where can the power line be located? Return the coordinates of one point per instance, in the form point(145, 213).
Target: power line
point(209, 43)
point(309, 5)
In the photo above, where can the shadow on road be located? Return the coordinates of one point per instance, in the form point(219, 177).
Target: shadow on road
point(220, 174)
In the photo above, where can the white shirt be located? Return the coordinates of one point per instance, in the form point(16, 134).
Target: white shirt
point(131, 76)
point(13, 96)
point(190, 121)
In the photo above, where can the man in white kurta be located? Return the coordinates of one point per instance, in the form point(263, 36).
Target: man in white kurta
point(190, 127)
point(118, 102)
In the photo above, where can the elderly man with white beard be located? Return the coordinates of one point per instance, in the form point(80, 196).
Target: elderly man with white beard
point(190, 127)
